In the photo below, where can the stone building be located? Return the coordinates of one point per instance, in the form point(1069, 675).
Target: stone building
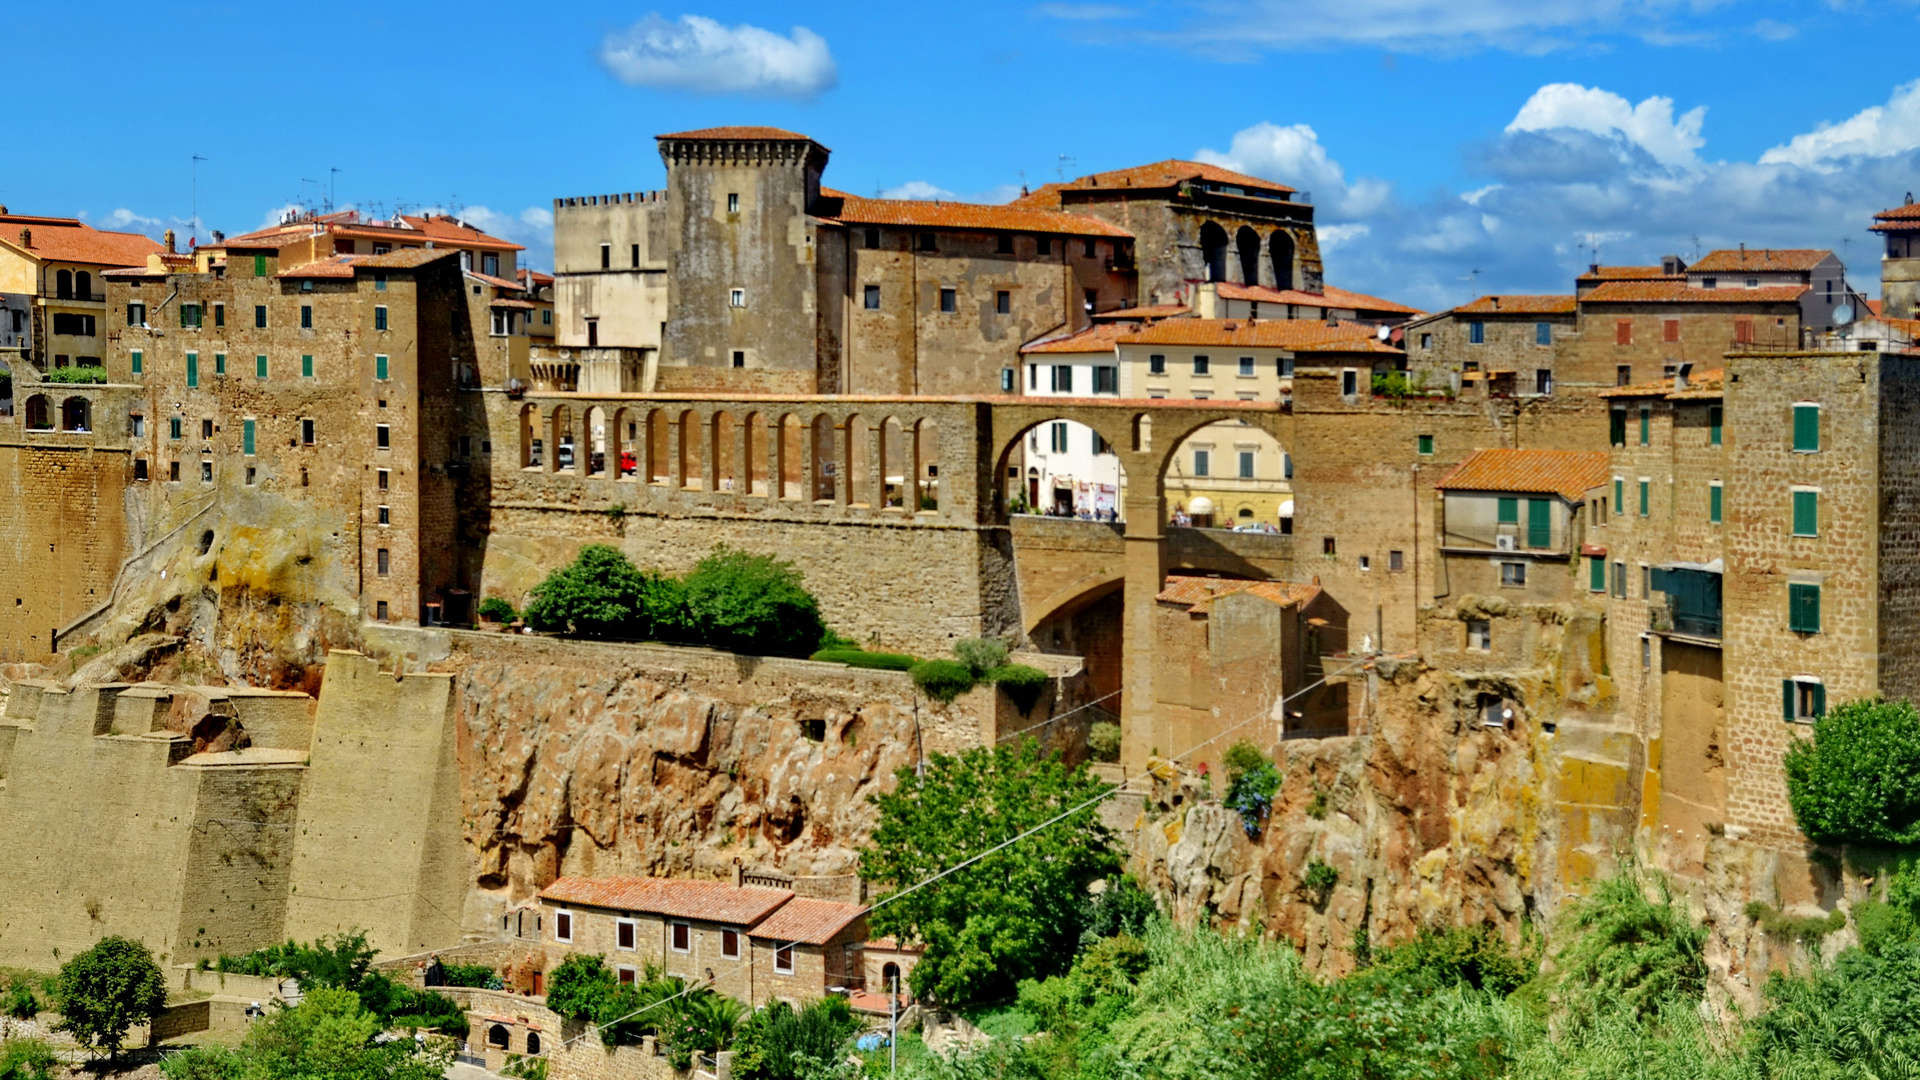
point(1225, 300)
point(1502, 345)
point(52, 300)
point(1899, 228)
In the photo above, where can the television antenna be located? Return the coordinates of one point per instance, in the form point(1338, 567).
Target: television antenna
point(333, 174)
point(194, 224)
point(1060, 167)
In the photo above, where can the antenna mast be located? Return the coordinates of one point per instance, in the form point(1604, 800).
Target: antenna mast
point(195, 167)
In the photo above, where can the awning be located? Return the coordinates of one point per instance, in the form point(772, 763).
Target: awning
point(1714, 567)
point(1200, 505)
point(1286, 509)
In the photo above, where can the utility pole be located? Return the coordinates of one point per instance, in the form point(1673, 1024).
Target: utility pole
point(893, 1026)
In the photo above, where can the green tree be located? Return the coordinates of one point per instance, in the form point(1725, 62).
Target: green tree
point(600, 594)
point(752, 604)
point(1858, 780)
point(1016, 913)
point(575, 987)
point(108, 989)
point(778, 1043)
point(1624, 950)
point(328, 1036)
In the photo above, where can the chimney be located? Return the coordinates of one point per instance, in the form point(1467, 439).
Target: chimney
point(739, 874)
point(3, 206)
point(1743, 247)
point(1680, 376)
point(1909, 202)
point(1496, 302)
point(218, 236)
point(26, 238)
point(169, 241)
point(1204, 297)
point(1593, 268)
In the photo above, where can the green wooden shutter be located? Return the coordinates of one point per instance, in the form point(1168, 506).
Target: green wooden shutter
point(380, 367)
point(1539, 523)
point(1426, 444)
point(1646, 424)
point(1806, 513)
point(1509, 510)
point(1716, 419)
point(1715, 494)
point(1643, 498)
point(1803, 609)
point(193, 369)
point(306, 366)
point(246, 436)
point(138, 360)
point(259, 266)
point(1806, 428)
point(1617, 427)
point(219, 363)
point(1819, 691)
point(1619, 496)
point(260, 366)
point(1787, 699)
point(1597, 574)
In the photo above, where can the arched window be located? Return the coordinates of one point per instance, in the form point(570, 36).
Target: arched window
point(63, 284)
point(83, 285)
point(1213, 247)
point(1248, 242)
point(39, 415)
point(497, 1036)
point(888, 976)
point(1280, 251)
point(533, 1042)
point(74, 414)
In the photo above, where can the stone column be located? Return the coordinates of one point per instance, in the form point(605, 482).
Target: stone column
point(1146, 571)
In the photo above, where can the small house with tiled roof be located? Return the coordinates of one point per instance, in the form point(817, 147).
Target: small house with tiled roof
point(52, 299)
point(1512, 521)
point(1502, 344)
point(1225, 300)
point(1899, 229)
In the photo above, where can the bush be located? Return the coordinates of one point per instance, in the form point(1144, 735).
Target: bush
point(27, 1059)
point(1475, 956)
point(575, 988)
point(860, 658)
point(1122, 908)
point(1023, 684)
point(20, 1002)
point(777, 1043)
point(478, 975)
point(1320, 880)
point(1103, 739)
point(1252, 783)
point(942, 680)
point(497, 609)
point(981, 655)
point(752, 604)
point(1858, 780)
point(600, 594)
point(109, 988)
point(76, 374)
point(1624, 952)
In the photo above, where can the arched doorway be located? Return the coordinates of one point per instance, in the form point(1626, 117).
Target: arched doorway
point(1069, 470)
point(1225, 475)
point(497, 1036)
point(1248, 242)
point(1280, 251)
point(1213, 249)
point(76, 414)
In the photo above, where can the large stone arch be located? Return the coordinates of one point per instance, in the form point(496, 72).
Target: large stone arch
point(1213, 251)
point(1280, 248)
point(1248, 244)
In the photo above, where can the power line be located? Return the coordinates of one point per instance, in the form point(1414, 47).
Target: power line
point(1062, 716)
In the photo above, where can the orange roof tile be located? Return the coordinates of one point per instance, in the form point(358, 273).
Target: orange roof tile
point(1328, 297)
point(920, 213)
point(1898, 219)
point(1738, 260)
point(1166, 174)
point(1099, 338)
point(343, 266)
point(535, 276)
point(73, 240)
point(1549, 304)
point(1150, 311)
point(1678, 292)
point(417, 231)
point(1300, 335)
point(1700, 384)
point(1874, 306)
point(1197, 594)
point(503, 302)
point(446, 227)
point(1568, 473)
point(497, 282)
point(1628, 273)
point(710, 901)
point(808, 921)
point(767, 134)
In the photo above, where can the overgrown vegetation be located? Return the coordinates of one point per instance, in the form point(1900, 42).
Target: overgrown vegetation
point(779, 1042)
point(345, 962)
point(27, 1059)
point(1252, 782)
point(77, 374)
point(329, 1035)
point(1103, 740)
point(687, 1023)
point(1858, 779)
point(976, 661)
point(853, 656)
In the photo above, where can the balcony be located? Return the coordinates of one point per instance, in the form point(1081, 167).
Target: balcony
point(1691, 604)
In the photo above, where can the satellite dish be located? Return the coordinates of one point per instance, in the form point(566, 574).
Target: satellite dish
point(1843, 315)
point(1384, 332)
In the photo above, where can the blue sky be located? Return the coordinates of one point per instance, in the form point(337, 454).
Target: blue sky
point(1452, 147)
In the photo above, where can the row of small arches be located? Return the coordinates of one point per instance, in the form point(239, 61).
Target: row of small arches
point(1214, 245)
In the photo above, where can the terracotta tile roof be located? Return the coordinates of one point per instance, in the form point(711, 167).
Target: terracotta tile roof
point(501, 301)
point(808, 921)
point(1628, 273)
point(1700, 384)
point(1898, 219)
point(767, 134)
point(1678, 292)
point(1568, 473)
point(920, 213)
point(1874, 306)
point(340, 266)
point(497, 282)
point(74, 241)
point(1151, 311)
point(1549, 304)
point(1166, 174)
point(1197, 594)
point(444, 227)
point(1736, 260)
point(1329, 297)
point(343, 266)
point(133, 271)
point(534, 276)
point(1300, 335)
point(679, 898)
point(417, 231)
point(1099, 338)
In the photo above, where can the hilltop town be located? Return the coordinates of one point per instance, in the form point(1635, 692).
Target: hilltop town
point(1503, 596)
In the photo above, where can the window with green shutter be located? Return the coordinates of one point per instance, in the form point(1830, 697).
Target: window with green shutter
point(1646, 424)
point(1806, 428)
point(1716, 418)
point(259, 266)
point(260, 366)
point(1715, 494)
point(1597, 574)
point(139, 361)
point(1617, 427)
point(380, 318)
point(193, 370)
point(1803, 609)
point(1509, 510)
point(380, 367)
point(306, 366)
point(246, 436)
point(1802, 701)
point(219, 363)
point(1426, 444)
point(1539, 523)
point(1806, 513)
point(1643, 498)
point(1619, 496)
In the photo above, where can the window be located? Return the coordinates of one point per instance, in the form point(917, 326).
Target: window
point(1006, 380)
point(1806, 428)
point(1806, 512)
point(1396, 561)
point(1003, 244)
point(1646, 424)
point(1623, 332)
point(382, 436)
point(136, 425)
point(260, 316)
point(1596, 574)
point(625, 931)
point(1003, 302)
point(206, 429)
point(1426, 341)
point(1283, 367)
point(681, 937)
point(1508, 512)
point(380, 611)
point(206, 470)
point(563, 926)
point(926, 242)
point(173, 471)
point(871, 296)
point(1087, 249)
point(1743, 330)
point(733, 203)
point(190, 316)
point(1366, 564)
point(1425, 444)
point(1156, 364)
point(193, 370)
point(174, 425)
point(1716, 418)
point(219, 314)
point(1513, 573)
point(1327, 546)
point(1476, 333)
point(783, 959)
point(139, 468)
point(739, 358)
point(737, 298)
point(383, 562)
point(136, 314)
point(379, 280)
point(1803, 608)
point(1349, 383)
point(1646, 582)
point(380, 366)
point(1033, 376)
point(949, 299)
point(1643, 496)
point(1715, 502)
point(1057, 437)
point(1623, 375)
point(306, 316)
point(1043, 245)
point(1062, 378)
point(246, 436)
point(1200, 365)
point(730, 939)
point(1246, 464)
point(873, 239)
point(260, 266)
point(1106, 379)
point(606, 256)
point(1479, 635)
point(1543, 333)
point(1539, 523)
point(546, 316)
point(219, 363)
point(380, 317)
point(1246, 367)
point(139, 360)
point(306, 366)
point(260, 366)
point(74, 325)
point(385, 515)
point(1670, 330)
point(1620, 581)
point(380, 478)
point(1803, 699)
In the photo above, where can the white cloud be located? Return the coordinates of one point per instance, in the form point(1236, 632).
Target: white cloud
point(1293, 156)
point(700, 55)
point(1338, 236)
point(1650, 125)
point(531, 228)
point(918, 189)
point(1879, 131)
point(124, 218)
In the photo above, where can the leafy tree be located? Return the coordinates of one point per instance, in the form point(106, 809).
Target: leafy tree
point(108, 989)
point(328, 1036)
point(1858, 780)
point(1475, 956)
point(1626, 952)
point(575, 987)
point(778, 1043)
point(1123, 907)
point(344, 961)
point(27, 1059)
point(1016, 913)
point(753, 604)
point(600, 594)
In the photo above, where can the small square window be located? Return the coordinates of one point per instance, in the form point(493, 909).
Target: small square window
point(733, 202)
point(1479, 635)
point(682, 937)
point(1366, 563)
point(382, 436)
point(871, 297)
point(206, 471)
point(783, 959)
point(1513, 573)
point(1156, 364)
point(927, 242)
point(386, 515)
point(949, 299)
point(1246, 367)
point(737, 298)
point(873, 239)
point(730, 944)
point(739, 358)
point(1003, 302)
point(1426, 445)
point(1200, 365)
point(626, 932)
point(1396, 561)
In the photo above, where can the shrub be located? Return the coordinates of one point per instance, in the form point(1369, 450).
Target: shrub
point(1805, 929)
point(1858, 779)
point(1103, 739)
point(702, 1022)
point(1320, 880)
point(1123, 907)
point(1622, 951)
point(600, 594)
point(752, 604)
point(860, 658)
point(109, 988)
point(497, 609)
point(1391, 385)
point(20, 1003)
point(1252, 783)
point(1475, 956)
point(27, 1059)
point(478, 975)
point(942, 680)
point(778, 1042)
point(76, 374)
point(575, 988)
point(1023, 684)
point(981, 655)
